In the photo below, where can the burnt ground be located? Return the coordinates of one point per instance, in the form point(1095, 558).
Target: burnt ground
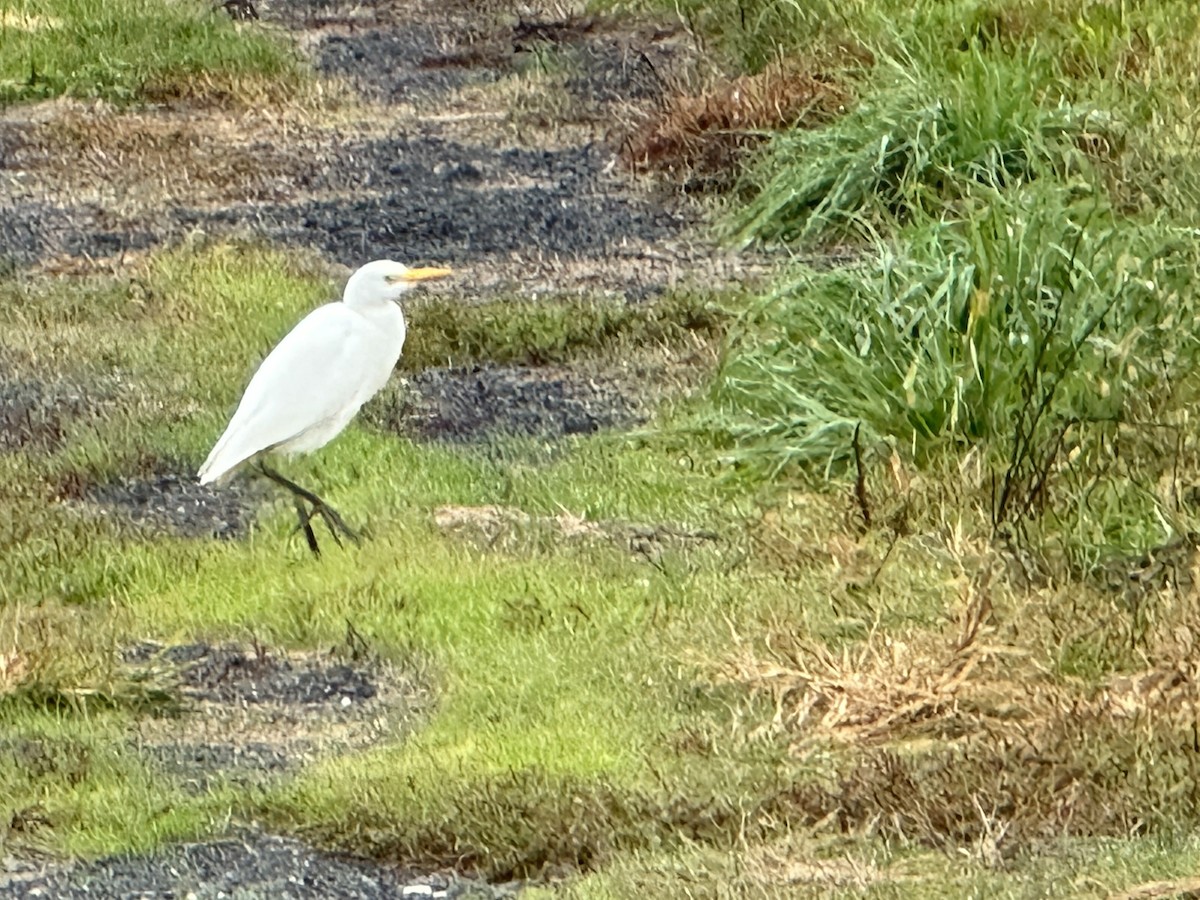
point(246, 717)
point(169, 499)
point(253, 715)
point(248, 866)
point(475, 404)
point(464, 135)
point(449, 161)
point(35, 414)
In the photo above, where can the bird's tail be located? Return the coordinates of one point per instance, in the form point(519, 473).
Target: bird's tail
point(222, 460)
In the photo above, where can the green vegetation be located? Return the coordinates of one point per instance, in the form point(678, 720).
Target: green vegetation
point(943, 643)
point(915, 148)
point(1016, 181)
point(538, 332)
point(1038, 329)
point(500, 632)
point(1008, 365)
point(129, 50)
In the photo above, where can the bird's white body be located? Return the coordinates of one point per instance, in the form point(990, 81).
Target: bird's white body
point(317, 378)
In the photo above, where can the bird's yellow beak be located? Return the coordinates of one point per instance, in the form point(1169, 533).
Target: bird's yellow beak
point(412, 275)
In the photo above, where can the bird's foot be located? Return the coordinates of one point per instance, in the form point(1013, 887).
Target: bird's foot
point(333, 521)
point(336, 524)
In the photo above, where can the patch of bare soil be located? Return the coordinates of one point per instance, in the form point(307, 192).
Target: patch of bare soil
point(253, 715)
point(404, 65)
point(427, 198)
point(475, 404)
point(169, 499)
point(250, 717)
point(453, 179)
point(248, 866)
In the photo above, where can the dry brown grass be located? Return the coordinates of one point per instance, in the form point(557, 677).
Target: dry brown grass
point(702, 137)
point(138, 160)
point(969, 740)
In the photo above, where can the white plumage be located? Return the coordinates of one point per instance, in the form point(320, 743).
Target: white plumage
point(322, 372)
point(315, 380)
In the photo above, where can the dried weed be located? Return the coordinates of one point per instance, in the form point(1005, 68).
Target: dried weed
point(702, 138)
point(969, 741)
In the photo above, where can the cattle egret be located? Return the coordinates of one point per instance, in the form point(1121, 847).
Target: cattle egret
point(315, 380)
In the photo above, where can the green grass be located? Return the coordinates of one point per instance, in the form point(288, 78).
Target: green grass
point(946, 336)
point(1018, 184)
point(69, 787)
point(916, 147)
point(585, 719)
point(1014, 346)
point(554, 649)
point(130, 50)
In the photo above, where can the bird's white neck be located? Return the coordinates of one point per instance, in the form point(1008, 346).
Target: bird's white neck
point(387, 317)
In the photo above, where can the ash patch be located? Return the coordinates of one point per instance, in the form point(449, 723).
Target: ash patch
point(436, 190)
point(246, 866)
point(610, 63)
point(34, 415)
point(252, 717)
point(475, 404)
point(401, 65)
point(442, 200)
point(230, 675)
point(613, 73)
point(31, 231)
point(177, 504)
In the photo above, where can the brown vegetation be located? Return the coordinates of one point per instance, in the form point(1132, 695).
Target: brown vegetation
point(970, 741)
point(702, 137)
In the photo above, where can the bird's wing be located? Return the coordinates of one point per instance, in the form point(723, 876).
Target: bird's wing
point(311, 376)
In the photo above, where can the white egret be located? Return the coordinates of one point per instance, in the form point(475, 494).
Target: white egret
point(315, 380)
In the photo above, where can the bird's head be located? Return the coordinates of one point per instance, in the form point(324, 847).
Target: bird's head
point(385, 280)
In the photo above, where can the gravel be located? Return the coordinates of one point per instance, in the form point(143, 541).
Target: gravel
point(480, 403)
point(247, 866)
point(175, 502)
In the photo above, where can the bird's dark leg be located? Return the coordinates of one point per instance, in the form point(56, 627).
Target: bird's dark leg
point(305, 525)
point(336, 525)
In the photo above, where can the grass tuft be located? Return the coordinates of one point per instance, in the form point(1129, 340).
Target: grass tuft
point(916, 149)
point(37, 670)
point(1033, 332)
point(133, 50)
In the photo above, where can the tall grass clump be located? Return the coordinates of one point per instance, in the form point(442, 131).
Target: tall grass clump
point(1038, 319)
point(841, 34)
point(917, 147)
